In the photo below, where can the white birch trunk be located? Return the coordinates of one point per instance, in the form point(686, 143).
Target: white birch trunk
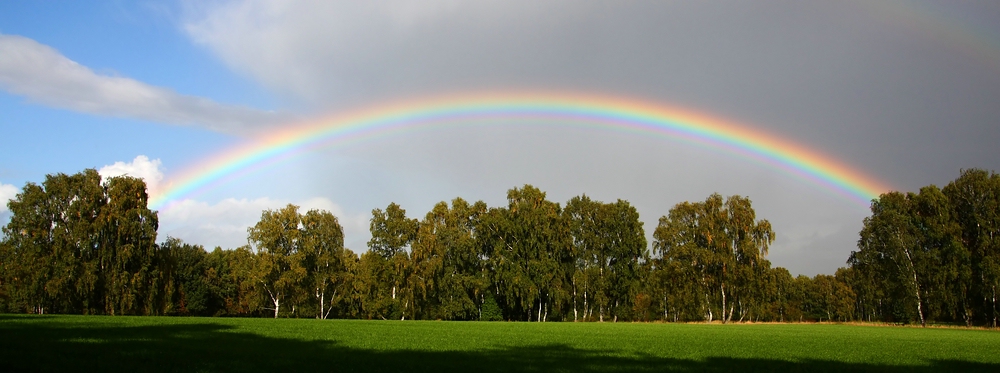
point(574, 302)
point(709, 307)
point(539, 318)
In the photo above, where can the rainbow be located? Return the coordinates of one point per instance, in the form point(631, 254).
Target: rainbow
point(603, 112)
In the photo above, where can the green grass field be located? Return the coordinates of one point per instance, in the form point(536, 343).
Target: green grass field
point(94, 343)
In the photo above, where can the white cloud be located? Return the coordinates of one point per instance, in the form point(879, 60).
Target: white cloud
point(43, 75)
point(7, 193)
point(141, 167)
point(225, 223)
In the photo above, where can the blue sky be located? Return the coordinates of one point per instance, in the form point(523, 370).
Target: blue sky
point(120, 39)
point(905, 92)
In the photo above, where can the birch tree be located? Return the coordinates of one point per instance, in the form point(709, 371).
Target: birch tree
point(321, 254)
point(392, 233)
point(889, 242)
point(720, 241)
point(275, 242)
point(609, 247)
point(975, 199)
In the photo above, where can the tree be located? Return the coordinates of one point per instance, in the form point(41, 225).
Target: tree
point(348, 296)
point(446, 262)
point(975, 199)
point(223, 278)
point(189, 291)
point(247, 297)
point(129, 251)
point(371, 285)
point(945, 270)
point(891, 246)
point(79, 246)
point(721, 242)
point(785, 301)
point(392, 233)
point(321, 255)
point(609, 247)
point(275, 243)
point(29, 248)
point(525, 246)
point(53, 242)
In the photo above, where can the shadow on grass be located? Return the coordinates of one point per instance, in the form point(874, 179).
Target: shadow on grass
point(209, 347)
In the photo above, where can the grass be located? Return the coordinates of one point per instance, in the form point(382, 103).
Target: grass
point(96, 343)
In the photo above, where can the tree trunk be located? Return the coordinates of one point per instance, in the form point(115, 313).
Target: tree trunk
point(665, 307)
point(994, 288)
point(916, 284)
point(723, 288)
point(274, 299)
point(616, 312)
point(539, 319)
point(709, 307)
point(327, 313)
point(574, 302)
point(321, 304)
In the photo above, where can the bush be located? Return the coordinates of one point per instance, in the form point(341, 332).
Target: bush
point(490, 311)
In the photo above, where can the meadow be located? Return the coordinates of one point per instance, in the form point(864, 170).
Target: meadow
point(102, 343)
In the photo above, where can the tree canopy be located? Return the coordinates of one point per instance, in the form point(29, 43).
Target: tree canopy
point(80, 244)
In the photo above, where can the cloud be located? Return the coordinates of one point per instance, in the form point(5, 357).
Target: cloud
point(7, 193)
point(224, 224)
point(334, 52)
point(141, 167)
point(45, 76)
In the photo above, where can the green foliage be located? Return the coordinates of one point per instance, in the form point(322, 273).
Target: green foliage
point(447, 270)
point(389, 266)
point(929, 256)
point(75, 245)
point(716, 250)
point(79, 244)
point(609, 250)
point(297, 259)
point(491, 311)
point(525, 246)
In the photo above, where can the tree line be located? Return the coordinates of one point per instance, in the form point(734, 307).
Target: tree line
point(932, 256)
point(76, 244)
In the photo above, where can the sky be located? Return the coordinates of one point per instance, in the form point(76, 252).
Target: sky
point(903, 93)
